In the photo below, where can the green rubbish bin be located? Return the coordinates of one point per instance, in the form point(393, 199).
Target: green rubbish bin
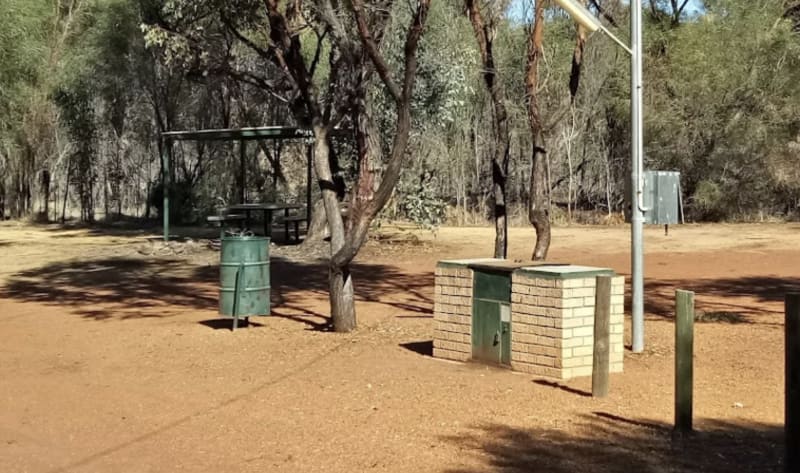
point(244, 277)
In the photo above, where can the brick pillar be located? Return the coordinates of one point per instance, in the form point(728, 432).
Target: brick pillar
point(452, 312)
point(552, 321)
point(452, 309)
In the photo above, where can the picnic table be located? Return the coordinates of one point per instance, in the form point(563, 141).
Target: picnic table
point(267, 208)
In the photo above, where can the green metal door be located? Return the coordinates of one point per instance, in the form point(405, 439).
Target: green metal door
point(491, 315)
point(486, 331)
point(244, 277)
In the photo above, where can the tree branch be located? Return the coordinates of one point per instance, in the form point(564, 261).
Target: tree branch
point(364, 211)
point(372, 49)
point(412, 43)
point(318, 52)
point(605, 13)
point(289, 56)
point(245, 40)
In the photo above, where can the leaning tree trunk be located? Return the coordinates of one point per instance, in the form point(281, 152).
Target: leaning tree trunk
point(538, 210)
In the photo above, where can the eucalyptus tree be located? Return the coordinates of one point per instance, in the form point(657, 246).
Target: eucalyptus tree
point(322, 58)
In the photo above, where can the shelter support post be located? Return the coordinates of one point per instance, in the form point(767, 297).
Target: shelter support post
point(166, 184)
point(310, 156)
point(242, 173)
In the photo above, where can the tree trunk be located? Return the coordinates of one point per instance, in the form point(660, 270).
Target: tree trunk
point(106, 184)
point(46, 194)
point(66, 192)
point(118, 179)
point(484, 34)
point(317, 228)
point(342, 299)
point(538, 210)
point(570, 178)
point(500, 211)
point(2, 198)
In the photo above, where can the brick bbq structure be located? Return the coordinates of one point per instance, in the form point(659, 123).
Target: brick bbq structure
point(538, 319)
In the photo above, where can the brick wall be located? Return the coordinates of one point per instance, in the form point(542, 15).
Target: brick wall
point(452, 312)
point(552, 325)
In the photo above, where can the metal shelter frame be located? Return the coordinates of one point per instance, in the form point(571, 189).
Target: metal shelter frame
point(242, 135)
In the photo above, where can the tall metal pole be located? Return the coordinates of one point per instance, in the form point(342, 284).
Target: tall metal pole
point(581, 15)
point(637, 150)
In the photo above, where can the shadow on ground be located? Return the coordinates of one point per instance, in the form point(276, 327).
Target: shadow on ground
point(424, 348)
point(562, 387)
point(373, 282)
point(126, 226)
point(118, 287)
point(611, 444)
point(140, 227)
point(730, 304)
point(132, 287)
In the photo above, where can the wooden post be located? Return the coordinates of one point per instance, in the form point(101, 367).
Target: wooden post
point(602, 345)
point(792, 399)
point(684, 350)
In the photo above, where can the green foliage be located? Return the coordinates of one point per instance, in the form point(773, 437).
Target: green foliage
point(80, 94)
point(421, 202)
point(725, 100)
point(183, 203)
point(707, 201)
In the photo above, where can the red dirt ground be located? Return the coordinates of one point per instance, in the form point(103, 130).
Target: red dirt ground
point(113, 360)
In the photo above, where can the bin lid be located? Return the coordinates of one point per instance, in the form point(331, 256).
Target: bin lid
point(245, 238)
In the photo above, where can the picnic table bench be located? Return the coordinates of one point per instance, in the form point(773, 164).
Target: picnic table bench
point(267, 208)
point(222, 219)
point(294, 220)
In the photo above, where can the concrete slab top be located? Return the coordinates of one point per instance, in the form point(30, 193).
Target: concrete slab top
point(463, 263)
point(570, 271)
point(509, 266)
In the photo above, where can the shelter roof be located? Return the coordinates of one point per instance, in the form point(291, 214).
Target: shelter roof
point(255, 133)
